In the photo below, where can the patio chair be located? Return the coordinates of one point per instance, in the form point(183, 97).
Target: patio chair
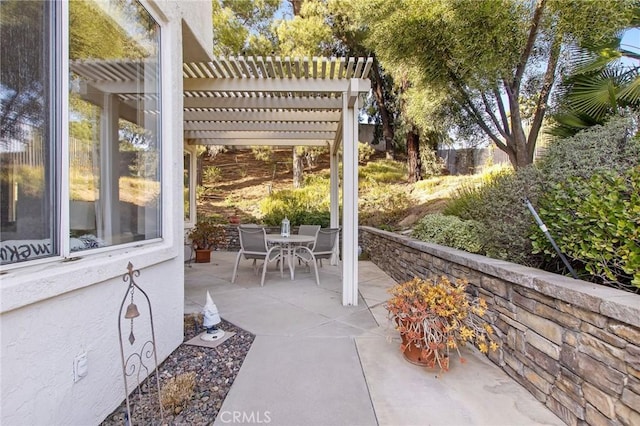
point(253, 246)
point(311, 230)
point(325, 244)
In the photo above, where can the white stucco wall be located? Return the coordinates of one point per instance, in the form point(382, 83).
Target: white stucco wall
point(52, 311)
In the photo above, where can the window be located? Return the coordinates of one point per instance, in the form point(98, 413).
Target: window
point(27, 128)
point(114, 124)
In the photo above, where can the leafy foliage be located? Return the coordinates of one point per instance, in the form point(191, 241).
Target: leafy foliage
point(382, 204)
point(479, 76)
point(262, 153)
point(382, 171)
point(597, 224)
point(449, 231)
point(308, 205)
point(212, 174)
point(438, 317)
point(497, 205)
point(432, 165)
point(209, 233)
point(365, 151)
point(611, 146)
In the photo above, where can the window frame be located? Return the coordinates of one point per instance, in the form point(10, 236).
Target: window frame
point(32, 281)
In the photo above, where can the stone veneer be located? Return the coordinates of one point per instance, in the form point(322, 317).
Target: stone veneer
point(573, 344)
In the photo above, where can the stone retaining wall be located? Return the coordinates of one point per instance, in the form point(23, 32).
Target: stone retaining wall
point(573, 344)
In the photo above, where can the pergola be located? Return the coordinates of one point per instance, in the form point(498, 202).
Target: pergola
point(286, 102)
point(248, 101)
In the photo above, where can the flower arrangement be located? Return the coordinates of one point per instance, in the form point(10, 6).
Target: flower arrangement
point(207, 234)
point(436, 317)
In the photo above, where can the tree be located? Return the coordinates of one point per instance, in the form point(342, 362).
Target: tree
point(599, 86)
point(243, 26)
point(485, 58)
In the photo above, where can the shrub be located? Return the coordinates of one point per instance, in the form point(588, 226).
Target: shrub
point(505, 221)
point(449, 231)
point(611, 146)
point(597, 224)
point(212, 174)
point(383, 171)
point(262, 153)
point(365, 151)
point(382, 204)
point(308, 205)
point(178, 390)
point(432, 165)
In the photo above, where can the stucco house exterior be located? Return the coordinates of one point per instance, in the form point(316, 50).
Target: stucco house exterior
point(73, 154)
point(102, 103)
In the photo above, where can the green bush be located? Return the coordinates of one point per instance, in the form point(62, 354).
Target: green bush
point(382, 171)
point(212, 174)
point(308, 205)
point(382, 204)
point(597, 149)
point(449, 231)
point(497, 205)
point(365, 151)
point(597, 224)
point(432, 165)
point(262, 153)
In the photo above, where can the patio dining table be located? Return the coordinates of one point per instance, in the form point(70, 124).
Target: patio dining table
point(288, 245)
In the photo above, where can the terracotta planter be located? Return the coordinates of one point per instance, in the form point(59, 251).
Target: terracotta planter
point(203, 256)
point(413, 354)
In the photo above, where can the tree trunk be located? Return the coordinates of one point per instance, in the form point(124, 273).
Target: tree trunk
point(377, 85)
point(297, 169)
point(413, 156)
point(296, 5)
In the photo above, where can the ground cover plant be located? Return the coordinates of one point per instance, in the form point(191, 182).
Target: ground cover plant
point(585, 189)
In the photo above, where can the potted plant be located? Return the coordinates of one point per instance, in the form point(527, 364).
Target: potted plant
point(437, 317)
point(207, 235)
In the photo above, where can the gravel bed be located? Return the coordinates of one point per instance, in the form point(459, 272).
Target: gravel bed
point(215, 370)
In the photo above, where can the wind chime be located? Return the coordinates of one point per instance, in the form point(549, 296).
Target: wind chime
point(137, 363)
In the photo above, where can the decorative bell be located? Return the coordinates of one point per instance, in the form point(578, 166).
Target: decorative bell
point(132, 311)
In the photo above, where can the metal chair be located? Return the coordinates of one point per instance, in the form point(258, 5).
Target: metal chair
point(311, 230)
point(253, 246)
point(326, 241)
point(308, 230)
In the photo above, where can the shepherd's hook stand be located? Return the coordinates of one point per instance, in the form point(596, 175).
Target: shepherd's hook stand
point(138, 363)
point(544, 229)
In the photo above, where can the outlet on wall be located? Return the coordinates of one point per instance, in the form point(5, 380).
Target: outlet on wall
point(80, 367)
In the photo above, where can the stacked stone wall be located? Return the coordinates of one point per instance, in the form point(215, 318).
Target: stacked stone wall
point(573, 344)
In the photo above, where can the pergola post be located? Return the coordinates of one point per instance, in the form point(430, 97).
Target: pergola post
point(350, 197)
point(334, 199)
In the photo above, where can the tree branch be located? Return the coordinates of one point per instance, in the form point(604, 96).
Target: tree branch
point(545, 91)
point(473, 112)
point(494, 119)
point(503, 113)
point(528, 47)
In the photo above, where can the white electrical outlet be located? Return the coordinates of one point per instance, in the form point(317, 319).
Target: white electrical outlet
point(80, 367)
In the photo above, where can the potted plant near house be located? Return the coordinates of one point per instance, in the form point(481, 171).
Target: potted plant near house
point(206, 236)
point(435, 317)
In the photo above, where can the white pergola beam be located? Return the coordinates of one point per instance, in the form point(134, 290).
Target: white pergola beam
point(243, 116)
point(256, 142)
point(213, 134)
point(263, 103)
point(294, 84)
point(258, 126)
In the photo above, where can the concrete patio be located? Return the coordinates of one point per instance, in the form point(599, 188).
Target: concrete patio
point(316, 362)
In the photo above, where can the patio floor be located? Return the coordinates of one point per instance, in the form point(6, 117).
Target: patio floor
point(316, 362)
